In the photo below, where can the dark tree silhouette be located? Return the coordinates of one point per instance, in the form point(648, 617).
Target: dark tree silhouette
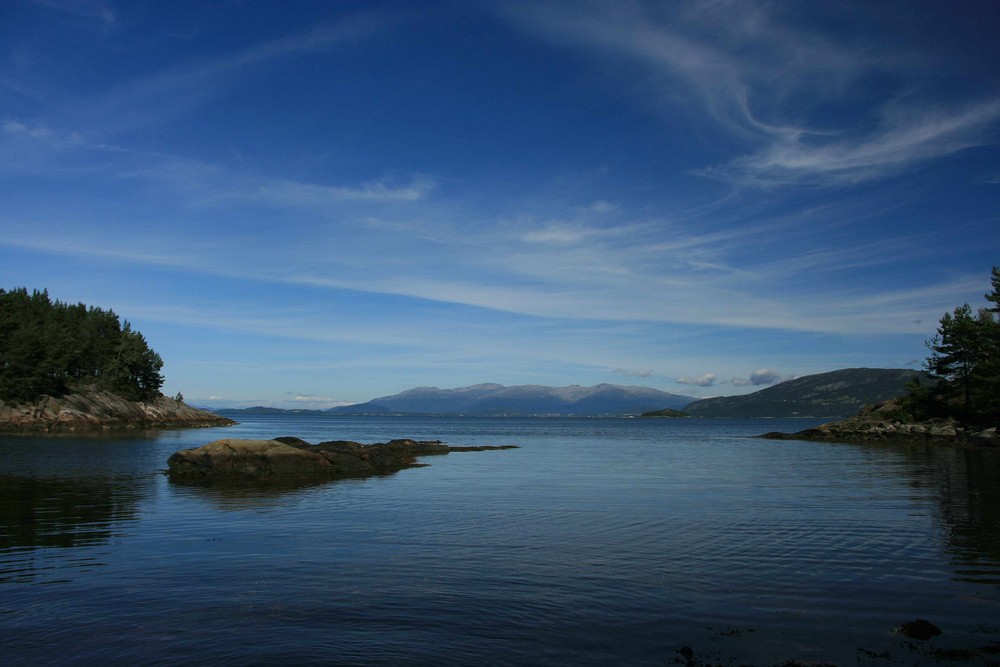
point(48, 347)
point(965, 362)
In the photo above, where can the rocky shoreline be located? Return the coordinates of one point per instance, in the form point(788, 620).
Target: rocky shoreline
point(237, 459)
point(96, 410)
point(880, 423)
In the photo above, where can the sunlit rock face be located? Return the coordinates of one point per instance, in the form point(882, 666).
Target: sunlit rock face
point(95, 409)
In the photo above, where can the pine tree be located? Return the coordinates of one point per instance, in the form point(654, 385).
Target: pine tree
point(988, 373)
point(965, 361)
point(956, 352)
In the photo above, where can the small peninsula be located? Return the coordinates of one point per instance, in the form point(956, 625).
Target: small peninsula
point(885, 422)
point(961, 402)
point(66, 367)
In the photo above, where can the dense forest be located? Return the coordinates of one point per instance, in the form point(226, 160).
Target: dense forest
point(964, 361)
point(48, 347)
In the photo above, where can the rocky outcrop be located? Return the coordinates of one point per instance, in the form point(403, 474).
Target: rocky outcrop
point(264, 459)
point(95, 409)
point(881, 422)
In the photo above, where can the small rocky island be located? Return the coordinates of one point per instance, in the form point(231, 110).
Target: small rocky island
point(236, 459)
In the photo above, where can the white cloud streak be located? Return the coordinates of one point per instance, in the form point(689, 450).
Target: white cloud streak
point(748, 68)
point(901, 141)
point(634, 373)
point(573, 268)
point(293, 193)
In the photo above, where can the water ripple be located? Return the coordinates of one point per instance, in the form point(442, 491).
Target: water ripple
point(598, 542)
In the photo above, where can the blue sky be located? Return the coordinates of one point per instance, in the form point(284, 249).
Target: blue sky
point(305, 204)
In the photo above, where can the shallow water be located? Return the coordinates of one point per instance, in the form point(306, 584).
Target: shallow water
point(599, 541)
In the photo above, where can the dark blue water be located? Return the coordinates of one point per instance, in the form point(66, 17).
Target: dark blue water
point(597, 542)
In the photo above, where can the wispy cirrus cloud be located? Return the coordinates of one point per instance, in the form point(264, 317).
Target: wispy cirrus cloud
point(91, 14)
point(201, 182)
point(16, 127)
point(634, 372)
point(596, 278)
point(174, 90)
point(299, 194)
point(730, 57)
point(774, 80)
point(901, 141)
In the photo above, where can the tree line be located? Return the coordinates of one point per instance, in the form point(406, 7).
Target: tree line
point(48, 347)
point(964, 364)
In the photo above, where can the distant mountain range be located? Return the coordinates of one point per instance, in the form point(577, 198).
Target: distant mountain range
point(497, 399)
point(835, 394)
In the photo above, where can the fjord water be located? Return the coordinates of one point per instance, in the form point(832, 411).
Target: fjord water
point(599, 541)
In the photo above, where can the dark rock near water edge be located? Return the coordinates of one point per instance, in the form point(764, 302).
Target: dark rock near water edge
point(288, 456)
point(879, 423)
point(96, 409)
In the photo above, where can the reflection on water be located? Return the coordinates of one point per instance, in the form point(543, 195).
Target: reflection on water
point(966, 485)
point(241, 494)
point(58, 513)
point(598, 542)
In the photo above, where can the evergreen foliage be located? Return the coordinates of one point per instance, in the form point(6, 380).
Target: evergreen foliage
point(48, 347)
point(965, 363)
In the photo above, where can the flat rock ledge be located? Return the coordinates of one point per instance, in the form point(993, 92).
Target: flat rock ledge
point(95, 410)
point(238, 459)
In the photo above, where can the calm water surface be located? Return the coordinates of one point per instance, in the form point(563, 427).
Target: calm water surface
point(600, 541)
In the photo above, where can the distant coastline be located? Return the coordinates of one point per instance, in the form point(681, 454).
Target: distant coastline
point(665, 414)
point(830, 395)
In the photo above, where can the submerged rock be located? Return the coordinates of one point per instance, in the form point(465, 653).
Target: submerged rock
point(232, 458)
point(921, 629)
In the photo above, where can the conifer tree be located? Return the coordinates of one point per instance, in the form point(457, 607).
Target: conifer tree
point(965, 361)
point(48, 347)
point(956, 353)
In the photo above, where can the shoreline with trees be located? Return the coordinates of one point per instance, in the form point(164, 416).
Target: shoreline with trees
point(961, 404)
point(73, 367)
